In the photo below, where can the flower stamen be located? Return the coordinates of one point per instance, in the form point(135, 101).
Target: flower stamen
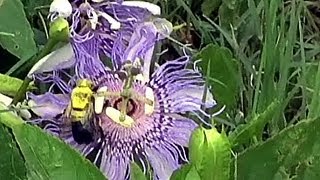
point(115, 115)
point(148, 109)
point(99, 99)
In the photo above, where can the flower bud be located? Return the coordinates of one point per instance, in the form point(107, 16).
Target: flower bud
point(59, 30)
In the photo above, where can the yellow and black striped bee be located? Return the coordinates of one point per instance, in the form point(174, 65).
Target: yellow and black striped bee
point(80, 111)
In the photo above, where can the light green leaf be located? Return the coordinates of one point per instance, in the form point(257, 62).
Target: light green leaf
point(193, 174)
point(136, 172)
point(196, 146)
point(212, 159)
point(293, 152)
point(11, 161)
point(181, 173)
point(13, 20)
point(9, 85)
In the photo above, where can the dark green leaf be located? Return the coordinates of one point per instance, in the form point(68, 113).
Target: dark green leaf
point(32, 6)
point(314, 84)
point(16, 34)
point(208, 6)
point(295, 151)
point(11, 161)
point(227, 15)
point(224, 76)
point(254, 128)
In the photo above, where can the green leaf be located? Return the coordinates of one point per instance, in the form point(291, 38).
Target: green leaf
point(196, 146)
point(47, 157)
point(11, 161)
point(19, 39)
point(254, 128)
point(181, 173)
point(51, 159)
point(208, 6)
point(224, 76)
point(294, 152)
point(212, 158)
point(32, 6)
point(314, 81)
point(193, 174)
point(136, 172)
point(228, 14)
point(9, 85)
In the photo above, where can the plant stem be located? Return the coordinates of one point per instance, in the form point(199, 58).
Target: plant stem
point(43, 52)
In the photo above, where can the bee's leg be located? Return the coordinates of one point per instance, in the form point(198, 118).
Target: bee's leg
point(67, 111)
point(80, 134)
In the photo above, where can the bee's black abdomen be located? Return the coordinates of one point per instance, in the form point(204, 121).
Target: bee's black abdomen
point(80, 134)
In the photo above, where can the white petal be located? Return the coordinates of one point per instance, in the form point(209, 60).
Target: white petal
point(99, 100)
point(154, 9)
point(61, 58)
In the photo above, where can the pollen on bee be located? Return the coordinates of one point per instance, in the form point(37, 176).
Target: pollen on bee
point(115, 114)
point(148, 109)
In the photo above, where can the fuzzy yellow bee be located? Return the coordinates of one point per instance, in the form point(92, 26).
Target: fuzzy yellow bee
point(80, 111)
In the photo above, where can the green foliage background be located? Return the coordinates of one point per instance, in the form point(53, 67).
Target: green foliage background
point(260, 59)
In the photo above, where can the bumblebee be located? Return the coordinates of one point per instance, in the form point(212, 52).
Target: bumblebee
point(80, 111)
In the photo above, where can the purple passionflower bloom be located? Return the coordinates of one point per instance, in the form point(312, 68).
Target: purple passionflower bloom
point(157, 137)
point(155, 134)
